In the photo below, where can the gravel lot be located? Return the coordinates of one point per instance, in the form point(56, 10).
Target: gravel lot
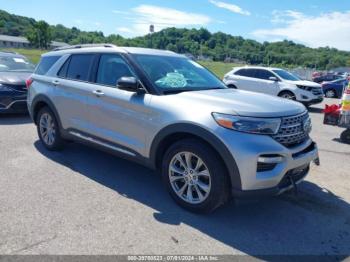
point(83, 201)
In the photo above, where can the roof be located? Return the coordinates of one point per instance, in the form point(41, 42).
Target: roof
point(10, 54)
point(18, 39)
point(257, 67)
point(104, 48)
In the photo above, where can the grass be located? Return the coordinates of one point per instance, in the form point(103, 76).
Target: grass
point(218, 68)
point(32, 54)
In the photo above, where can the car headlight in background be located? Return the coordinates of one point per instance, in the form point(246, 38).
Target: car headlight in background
point(263, 126)
point(306, 88)
point(4, 88)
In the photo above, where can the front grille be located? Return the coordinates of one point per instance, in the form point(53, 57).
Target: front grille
point(295, 174)
point(292, 131)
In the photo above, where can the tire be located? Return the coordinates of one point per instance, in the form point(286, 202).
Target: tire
point(48, 130)
point(287, 95)
point(232, 86)
point(345, 136)
point(330, 93)
point(204, 188)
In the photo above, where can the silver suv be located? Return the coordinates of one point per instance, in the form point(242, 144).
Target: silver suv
point(169, 113)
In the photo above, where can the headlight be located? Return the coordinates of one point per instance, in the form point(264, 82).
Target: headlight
point(264, 126)
point(307, 88)
point(4, 88)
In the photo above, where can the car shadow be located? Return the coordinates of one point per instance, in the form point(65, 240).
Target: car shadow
point(315, 222)
point(315, 110)
point(14, 119)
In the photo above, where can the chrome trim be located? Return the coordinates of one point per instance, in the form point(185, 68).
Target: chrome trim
point(90, 139)
point(11, 104)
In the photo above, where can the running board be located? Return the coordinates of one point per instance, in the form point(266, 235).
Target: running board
point(92, 140)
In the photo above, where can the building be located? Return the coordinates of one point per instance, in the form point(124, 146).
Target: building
point(7, 41)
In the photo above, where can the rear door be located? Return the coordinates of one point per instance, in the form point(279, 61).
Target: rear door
point(117, 116)
point(72, 92)
point(245, 79)
point(264, 84)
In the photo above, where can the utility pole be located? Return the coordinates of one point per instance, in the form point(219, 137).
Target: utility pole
point(151, 31)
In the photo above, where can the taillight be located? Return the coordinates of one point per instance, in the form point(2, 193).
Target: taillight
point(29, 81)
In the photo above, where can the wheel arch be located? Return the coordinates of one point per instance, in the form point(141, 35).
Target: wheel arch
point(170, 134)
point(39, 102)
point(286, 91)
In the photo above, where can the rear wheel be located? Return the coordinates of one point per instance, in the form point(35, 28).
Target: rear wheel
point(48, 129)
point(195, 176)
point(330, 93)
point(287, 95)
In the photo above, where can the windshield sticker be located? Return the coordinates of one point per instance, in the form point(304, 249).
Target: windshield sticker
point(19, 60)
point(172, 80)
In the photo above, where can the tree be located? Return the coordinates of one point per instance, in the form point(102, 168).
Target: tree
point(39, 35)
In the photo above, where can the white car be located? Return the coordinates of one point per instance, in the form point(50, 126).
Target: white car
point(274, 81)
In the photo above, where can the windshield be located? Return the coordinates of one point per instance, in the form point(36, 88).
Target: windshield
point(286, 75)
point(175, 74)
point(15, 64)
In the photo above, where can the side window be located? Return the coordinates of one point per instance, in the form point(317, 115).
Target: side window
point(64, 69)
point(112, 67)
point(263, 74)
point(45, 64)
point(245, 72)
point(79, 67)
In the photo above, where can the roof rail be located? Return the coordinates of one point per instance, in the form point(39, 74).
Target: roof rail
point(82, 46)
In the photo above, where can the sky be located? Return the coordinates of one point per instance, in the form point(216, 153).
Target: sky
point(315, 23)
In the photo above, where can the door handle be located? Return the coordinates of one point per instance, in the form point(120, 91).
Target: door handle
point(55, 82)
point(98, 93)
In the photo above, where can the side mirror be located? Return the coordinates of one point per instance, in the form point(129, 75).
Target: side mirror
point(129, 84)
point(273, 78)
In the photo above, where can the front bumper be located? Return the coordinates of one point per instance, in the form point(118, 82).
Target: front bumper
point(246, 150)
point(13, 102)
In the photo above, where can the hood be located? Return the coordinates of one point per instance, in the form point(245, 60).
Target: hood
point(244, 103)
point(14, 78)
point(303, 83)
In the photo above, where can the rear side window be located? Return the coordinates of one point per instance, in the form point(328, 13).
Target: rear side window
point(79, 67)
point(45, 64)
point(245, 72)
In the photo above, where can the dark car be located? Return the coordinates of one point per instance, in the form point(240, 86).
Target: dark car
point(15, 69)
point(334, 89)
point(326, 78)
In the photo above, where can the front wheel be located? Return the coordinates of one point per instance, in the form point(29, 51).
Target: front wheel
point(195, 176)
point(287, 95)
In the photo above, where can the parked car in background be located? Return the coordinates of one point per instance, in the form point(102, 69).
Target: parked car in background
point(334, 89)
point(15, 69)
point(326, 78)
point(274, 81)
point(169, 113)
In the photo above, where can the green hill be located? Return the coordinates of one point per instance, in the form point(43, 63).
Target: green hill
point(198, 42)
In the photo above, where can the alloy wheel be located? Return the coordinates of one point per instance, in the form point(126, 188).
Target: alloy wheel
point(330, 94)
point(47, 129)
point(189, 177)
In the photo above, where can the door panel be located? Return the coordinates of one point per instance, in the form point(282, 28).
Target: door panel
point(119, 116)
